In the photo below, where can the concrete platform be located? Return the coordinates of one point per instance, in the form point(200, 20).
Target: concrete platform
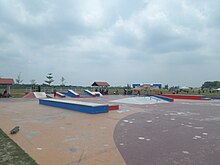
point(86, 107)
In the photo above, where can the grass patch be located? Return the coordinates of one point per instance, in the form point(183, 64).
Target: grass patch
point(11, 153)
point(17, 92)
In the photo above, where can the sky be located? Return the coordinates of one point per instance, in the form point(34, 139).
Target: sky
point(175, 42)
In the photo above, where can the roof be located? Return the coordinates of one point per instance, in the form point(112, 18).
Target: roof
point(100, 84)
point(6, 81)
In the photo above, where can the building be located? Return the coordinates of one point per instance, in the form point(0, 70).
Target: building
point(100, 84)
point(147, 85)
point(7, 82)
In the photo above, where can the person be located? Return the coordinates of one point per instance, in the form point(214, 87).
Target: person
point(38, 88)
point(54, 91)
point(5, 93)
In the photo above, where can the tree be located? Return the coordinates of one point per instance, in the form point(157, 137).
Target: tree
point(49, 78)
point(128, 86)
point(33, 82)
point(62, 81)
point(18, 79)
point(166, 87)
point(209, 84)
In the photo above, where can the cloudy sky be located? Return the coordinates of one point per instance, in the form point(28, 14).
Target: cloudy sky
point(175, 42)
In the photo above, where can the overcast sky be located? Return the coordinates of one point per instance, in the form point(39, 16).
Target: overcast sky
point(175, 42)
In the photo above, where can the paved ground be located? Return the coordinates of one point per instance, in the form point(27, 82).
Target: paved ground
point(63, 137)
point(183, 132)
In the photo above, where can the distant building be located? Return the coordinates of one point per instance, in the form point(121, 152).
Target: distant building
point(136, 85)
point(100, 84)
point(159, 85)
point(147, 85)
point(173, 89)
point(8, 82)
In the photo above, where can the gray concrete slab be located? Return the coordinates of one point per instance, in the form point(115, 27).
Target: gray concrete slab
point(184, 133)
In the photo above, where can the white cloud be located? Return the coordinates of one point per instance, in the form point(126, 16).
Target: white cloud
point(121, 42)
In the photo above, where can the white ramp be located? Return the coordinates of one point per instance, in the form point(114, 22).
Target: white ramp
point(140, 100)
point(71, 91)
point(40, 95)
point(98, 93)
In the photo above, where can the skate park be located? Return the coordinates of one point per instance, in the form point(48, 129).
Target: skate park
point(147, 129)
point(109, 82)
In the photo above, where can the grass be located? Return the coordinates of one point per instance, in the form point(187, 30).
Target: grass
point(11, 153)
point(20, 92)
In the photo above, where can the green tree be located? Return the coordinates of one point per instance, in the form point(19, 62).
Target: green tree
point(49, 78)
point(62, 81)
point(33, 85)
point(33, 82)
point(166, 86)
point(211, 84)
point(18, 79)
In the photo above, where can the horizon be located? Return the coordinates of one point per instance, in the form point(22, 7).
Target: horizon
point(114, 85)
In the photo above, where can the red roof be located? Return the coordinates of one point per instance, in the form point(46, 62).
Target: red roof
point(100, 84)
point(6, 81)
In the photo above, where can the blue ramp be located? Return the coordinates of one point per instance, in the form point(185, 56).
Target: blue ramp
point(91, 108)
point(73, 94)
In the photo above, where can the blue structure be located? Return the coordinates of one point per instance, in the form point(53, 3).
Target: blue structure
point(91, 108)
point(164, 98)
point(215, 98)
point(157, 85)
point(173, 89)
point(60, 95)
point(89, 93)
point(73, 94)
point(136, 85)
point(161, 97)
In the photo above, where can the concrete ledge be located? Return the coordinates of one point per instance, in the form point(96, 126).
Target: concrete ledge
point(164, 98)
point(91, 108)
point(215, 98)
point(112, 107)
point(189, 97)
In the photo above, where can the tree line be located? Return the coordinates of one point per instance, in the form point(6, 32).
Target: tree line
point(211, 84)
point(48, 82)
